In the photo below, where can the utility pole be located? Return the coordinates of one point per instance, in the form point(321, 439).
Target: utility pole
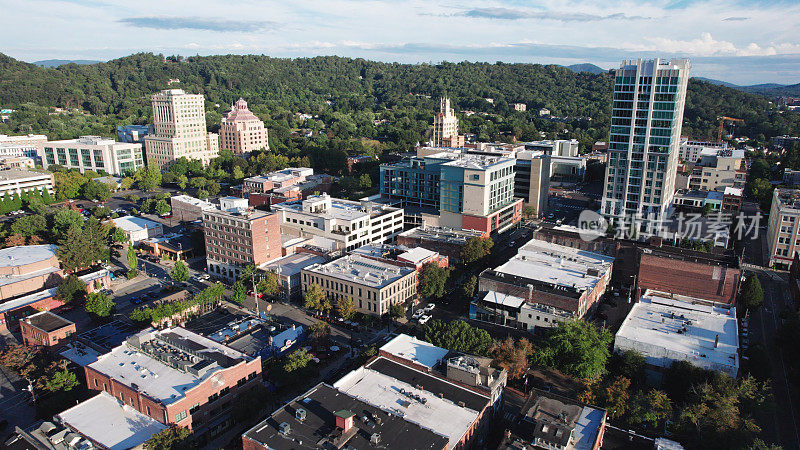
point(255, 292)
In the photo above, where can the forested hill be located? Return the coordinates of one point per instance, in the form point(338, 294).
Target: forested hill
point(355, 90)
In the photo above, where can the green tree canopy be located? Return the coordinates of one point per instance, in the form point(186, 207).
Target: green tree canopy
point(99, 304)
point(71, 289)
point(457, 336)
point(173, 438)
point(433, 280)
point(575, 347)
point(475, 249)
point(180, 272)
point(752, 293)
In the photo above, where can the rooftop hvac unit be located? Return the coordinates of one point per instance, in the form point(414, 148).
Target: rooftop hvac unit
point(300, 414)
point(375, 439)
point(284, 428)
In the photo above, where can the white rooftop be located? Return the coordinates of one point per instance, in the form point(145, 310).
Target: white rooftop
point(733, 191)
point(666, 328)
point(362, 270)
point(134, 224)
point(23, 255)
point(503, 299)
point(104, 420)
point(413, 349)
point(382, 391)
point(167, 384)
point(558, 264)
point(417, 255)
point(474, 162)
point(193, 201)
point(293, 264)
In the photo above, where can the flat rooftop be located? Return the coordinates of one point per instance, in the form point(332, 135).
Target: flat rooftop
point(47, 321)
point(26, 254)
point(442, 234)
point(416, 350)
point(557, 265)
point(193, 201)
point(292, 264)
point(133, 223)
point(392, 387)
point(417, 254)
point(140, 361)
point(321, 405)
point(663, 325)
point(115, 426)
point(339, 209)
point(361, 270)
point(503, 299)
point(19, 174)
point(474, 162)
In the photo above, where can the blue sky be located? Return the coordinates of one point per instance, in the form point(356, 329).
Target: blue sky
point(744, 42)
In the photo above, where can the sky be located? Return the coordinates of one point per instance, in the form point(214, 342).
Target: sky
point(742, 42)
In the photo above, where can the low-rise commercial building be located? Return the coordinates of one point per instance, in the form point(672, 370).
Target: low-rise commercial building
point(188, 209)
point(550, 421)
point(17, 162)
point(718, 169)
point(445, 241)
point(666, 328)
point(237, 238)
point(28, 268)
point(289, 268)
point(457, 412)
point(108, 423)
point(45, 329)
point(337, 224)
point(783, 229)
point(554, 282)
point(400, 255)
point(133, 134)
point(139, 228)
point(690, 150)
point(93, 153)
point(22, 146)
point(16, 181)
point(176, 377)
point(328, 417)
point(373, 285)
point(279, 179)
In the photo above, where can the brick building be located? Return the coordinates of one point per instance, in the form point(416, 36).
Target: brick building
point(445, 241)
point(45, 329)
point(236, 239)
point(542, 284)
point(177, 377)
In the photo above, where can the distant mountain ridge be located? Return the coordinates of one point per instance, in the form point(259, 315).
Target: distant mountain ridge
point(61, 62)
point(765, 89)
point(586, 67)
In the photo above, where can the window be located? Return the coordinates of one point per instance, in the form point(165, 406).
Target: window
point(180, 416)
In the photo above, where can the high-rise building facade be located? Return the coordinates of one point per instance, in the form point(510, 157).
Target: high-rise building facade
point(445, 124)
point(646, 120)
point(241, 131)
point(179, 120)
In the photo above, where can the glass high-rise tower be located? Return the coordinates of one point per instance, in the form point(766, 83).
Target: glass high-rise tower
point(646, 120)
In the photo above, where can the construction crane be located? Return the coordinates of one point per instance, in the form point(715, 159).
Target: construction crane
point(722, 120)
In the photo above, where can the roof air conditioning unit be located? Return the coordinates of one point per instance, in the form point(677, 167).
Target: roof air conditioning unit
point(375, 439)
point(285, 428)
point(300, 414)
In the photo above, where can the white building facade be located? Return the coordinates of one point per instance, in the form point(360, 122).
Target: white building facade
point(93, 153)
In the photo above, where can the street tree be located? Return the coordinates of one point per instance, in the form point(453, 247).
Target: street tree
point(173, 438)
point(752, 293)
point(345, 307)
point(96, 191)
point(148, 178)
point(512, 356)
point(180, 272)
point(432, 280)
point(617, 396)
point(119, 236)
point(71, 289)
point(269, 285)
point(133, 261)
point(238, 292)
point(314, 297)
point(475, 249)
point(99, 304)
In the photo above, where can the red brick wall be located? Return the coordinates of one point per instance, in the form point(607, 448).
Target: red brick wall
point(34, 336)
point(478, 223)
point(689, 278)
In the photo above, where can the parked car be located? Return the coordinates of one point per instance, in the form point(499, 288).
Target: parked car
point(136, 300)
point(424, 319)
point(250, 293)
point(430, 307)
